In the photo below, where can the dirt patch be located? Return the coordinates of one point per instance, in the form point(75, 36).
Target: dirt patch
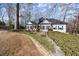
point(16, 44)
point(41, 49)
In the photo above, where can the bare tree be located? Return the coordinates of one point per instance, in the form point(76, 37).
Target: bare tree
point(74, 25)
point(29, 8)
point(17, 17)
point(66, 9)
point(53, 9)
point(26, 14)
point(2, 14)
point(10, 8)
point(65, 13)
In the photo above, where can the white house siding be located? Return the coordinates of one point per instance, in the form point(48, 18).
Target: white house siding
point(59, 27)
point(28, 27)
point(44, 27)
point(31, 27)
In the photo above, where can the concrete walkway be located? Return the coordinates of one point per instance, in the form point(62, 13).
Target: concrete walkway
point(58, 51)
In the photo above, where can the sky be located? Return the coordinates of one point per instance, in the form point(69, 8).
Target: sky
point(49, 10)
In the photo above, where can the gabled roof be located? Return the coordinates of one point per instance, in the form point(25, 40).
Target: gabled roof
point(45, 22)
point(31, 23)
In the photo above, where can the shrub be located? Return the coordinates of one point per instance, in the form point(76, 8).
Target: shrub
point(21, 27)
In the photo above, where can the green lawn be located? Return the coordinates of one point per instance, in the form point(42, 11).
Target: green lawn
point(68, 43)
point(41, 39)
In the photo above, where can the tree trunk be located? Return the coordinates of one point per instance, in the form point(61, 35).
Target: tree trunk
point(17, 17)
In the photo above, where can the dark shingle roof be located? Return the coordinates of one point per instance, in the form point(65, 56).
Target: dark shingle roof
point(33, 22)
point(41, 20)
point(54, 21)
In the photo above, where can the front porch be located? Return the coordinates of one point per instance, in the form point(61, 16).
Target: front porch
point(44, 28)
point(31, 28)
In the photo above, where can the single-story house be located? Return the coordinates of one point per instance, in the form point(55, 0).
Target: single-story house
point(31, 26)
point(46, 24)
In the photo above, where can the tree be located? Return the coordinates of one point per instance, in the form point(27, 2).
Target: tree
point(10, 8)
point(53, 9)
point(17, 17)
point(65, 13)
point(25, 14)
point(76, 24)
point(65, 9)
point(2, 12)
point(73, 25)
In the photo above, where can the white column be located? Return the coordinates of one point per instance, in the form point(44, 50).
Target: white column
point(45, 27)
point(29, 27)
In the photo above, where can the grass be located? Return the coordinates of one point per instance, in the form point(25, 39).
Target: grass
point(68, 43)
point(41, 39)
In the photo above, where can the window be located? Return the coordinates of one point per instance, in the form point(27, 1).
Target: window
point(42, 27)
point(60, 28)
point(55, 27)
point(47, 27)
